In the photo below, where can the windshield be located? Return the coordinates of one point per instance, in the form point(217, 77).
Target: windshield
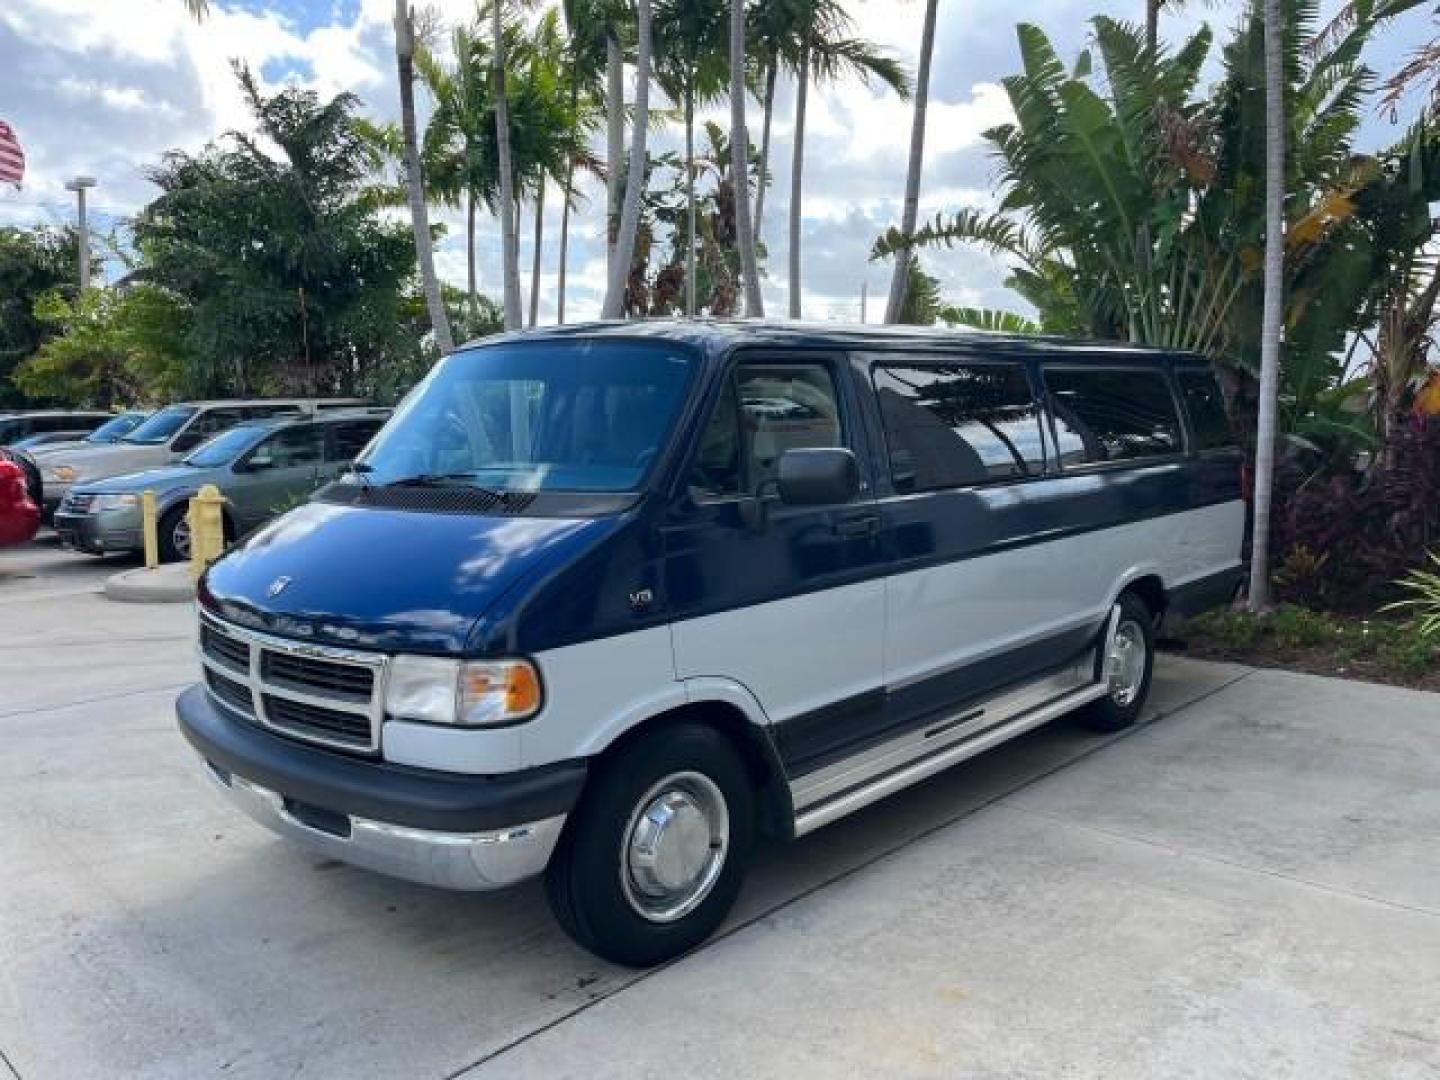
point(112, 429)
point(161, 426)
point(539, 416)
point(225, 447)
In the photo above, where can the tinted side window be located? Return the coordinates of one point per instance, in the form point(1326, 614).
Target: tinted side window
point(958, 424)
point(1112, 415)
point(1205, 406)
point(768, 409)
point(350, 438)
point(213, 421)
point(293, 447)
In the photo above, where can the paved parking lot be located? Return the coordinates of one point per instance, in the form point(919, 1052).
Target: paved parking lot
point(1248, 885)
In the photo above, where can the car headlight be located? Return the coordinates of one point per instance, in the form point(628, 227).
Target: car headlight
point(65, 474)
point(116, 502)
point(462, 693)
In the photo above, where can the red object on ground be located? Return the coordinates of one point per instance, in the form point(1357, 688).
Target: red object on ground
point(19, 516)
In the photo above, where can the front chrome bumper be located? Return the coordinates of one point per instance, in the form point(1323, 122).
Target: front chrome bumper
point(465, 861)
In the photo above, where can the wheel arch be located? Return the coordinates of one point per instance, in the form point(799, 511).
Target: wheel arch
point(1149, 586)
point(727, 713)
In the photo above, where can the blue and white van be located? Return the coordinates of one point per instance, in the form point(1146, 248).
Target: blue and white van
point(611, 602)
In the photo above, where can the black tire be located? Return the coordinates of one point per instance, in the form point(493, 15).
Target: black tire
point(1122, 705)
point(169, 522)
point(595, 896)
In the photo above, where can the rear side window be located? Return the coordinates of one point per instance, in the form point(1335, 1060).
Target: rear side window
point(1112, 415)
point(1209, 424)
point(956, 425)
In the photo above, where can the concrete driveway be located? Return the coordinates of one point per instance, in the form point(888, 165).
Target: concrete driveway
point(1248, 885)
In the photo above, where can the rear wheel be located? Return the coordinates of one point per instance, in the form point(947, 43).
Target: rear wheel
point(1127, 667)
point(654, 854)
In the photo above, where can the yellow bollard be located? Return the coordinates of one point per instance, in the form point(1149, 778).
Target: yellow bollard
point(150, 530)
point(207, 529)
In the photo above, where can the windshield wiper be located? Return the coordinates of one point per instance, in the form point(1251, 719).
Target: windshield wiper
point(441, 480)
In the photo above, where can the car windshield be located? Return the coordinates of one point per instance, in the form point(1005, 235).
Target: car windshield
point(112, 429)
point(161, 426)
point(537, 416)
point(225, 447)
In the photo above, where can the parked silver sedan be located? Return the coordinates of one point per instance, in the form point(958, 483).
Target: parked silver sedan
point(261, 468)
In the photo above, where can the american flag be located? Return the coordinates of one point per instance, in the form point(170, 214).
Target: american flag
point(12, 158)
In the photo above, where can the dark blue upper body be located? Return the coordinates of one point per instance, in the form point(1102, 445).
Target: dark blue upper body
point(392, 572)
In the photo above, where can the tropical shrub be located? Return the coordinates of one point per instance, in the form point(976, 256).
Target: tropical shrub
point(1423, 603)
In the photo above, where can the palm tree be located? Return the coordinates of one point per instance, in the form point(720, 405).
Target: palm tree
point(1274, 305)
point(824, 55)
point(614, 139)
point(740, 166)
point(510, 246)
point(635, 180)
point(198, 9)
point(414, 179)
point(911, 207)
point(586, 28)
point(772, 33)
point(459, 140)
point(690, 66)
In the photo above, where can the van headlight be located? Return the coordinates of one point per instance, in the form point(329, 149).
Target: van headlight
point(462, 693)
point(63, 474)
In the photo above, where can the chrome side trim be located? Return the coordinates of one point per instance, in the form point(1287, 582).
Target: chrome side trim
point(943, 732)
point(937, 759)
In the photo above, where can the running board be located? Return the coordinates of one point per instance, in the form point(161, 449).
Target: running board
point(837, 807)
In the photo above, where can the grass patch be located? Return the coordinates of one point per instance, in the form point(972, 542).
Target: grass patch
point(1374, 650)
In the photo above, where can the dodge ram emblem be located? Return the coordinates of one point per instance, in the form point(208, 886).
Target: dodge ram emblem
point(279, 585)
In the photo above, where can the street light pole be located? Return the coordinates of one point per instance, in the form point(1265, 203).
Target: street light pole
point(78, 185)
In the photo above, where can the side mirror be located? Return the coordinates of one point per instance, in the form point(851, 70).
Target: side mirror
point(818, 477)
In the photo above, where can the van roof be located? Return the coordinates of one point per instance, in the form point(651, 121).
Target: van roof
point(715, 335)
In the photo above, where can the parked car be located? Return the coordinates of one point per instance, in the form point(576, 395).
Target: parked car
point(18, 425)
point(261, 467)
point(19, 516)
point(607, 603)
point(163, 439)
point(106, 434)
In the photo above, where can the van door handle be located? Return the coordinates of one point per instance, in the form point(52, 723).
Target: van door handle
point(858, 525)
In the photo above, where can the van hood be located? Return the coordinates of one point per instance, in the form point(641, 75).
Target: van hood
point(389, 580)
point(159, 480)
point(101, 462)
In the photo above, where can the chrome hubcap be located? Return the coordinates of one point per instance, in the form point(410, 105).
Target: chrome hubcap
point(675, 846)
point(1126, 662)
point(180, 537)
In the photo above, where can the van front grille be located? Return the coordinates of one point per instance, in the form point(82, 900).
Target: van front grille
point(310, 692)
point(345, 681)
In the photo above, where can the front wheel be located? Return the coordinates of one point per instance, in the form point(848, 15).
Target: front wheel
point(1126, 667)
point(654, 854)
point(174, 535)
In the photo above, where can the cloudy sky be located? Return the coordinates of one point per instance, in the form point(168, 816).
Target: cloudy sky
point(103, 87)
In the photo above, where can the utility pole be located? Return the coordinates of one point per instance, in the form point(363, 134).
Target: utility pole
point(864, 298)
point(78, 185)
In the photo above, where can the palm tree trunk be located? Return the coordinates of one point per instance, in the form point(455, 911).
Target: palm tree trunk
point(635, 177)
point(1152, 23)
point(910, 210)
point(740, 165)
point(535, 255)
point(510, 243)
point(767, 110)
point(614, 141)
point(797, 170)
point(569, 194)
point(414, 180)
point(1273, 306)
point(690, 202)
point(474, 293)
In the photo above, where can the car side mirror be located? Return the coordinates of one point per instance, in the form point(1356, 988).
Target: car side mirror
point(818, 476)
